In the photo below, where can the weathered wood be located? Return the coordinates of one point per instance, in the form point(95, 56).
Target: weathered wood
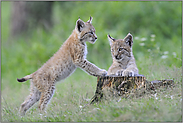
point(123, 85)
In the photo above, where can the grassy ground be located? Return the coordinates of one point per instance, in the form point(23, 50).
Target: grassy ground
point(155, 59)
point(76, 91)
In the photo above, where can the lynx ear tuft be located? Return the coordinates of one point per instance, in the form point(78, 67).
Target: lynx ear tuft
point(80, 25)
point(90, 20)
point(129, 39)
point(111, 39)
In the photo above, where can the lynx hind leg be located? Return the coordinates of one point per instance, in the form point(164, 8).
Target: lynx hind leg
point(46, 96)
point(33, 97)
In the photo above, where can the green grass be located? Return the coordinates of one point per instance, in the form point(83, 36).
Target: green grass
point(160, 57)
point(75, 92)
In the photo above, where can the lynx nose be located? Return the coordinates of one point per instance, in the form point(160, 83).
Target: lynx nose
point(95, 38)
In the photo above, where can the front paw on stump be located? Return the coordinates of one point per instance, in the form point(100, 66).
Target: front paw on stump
point(128, 73)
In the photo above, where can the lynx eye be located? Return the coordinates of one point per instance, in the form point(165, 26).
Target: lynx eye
point(91, 32)
point(120, 49)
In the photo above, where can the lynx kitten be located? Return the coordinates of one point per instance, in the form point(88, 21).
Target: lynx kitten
point(123, 59)
point(64, 62)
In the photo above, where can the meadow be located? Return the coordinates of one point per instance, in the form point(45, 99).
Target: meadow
point(157, 32)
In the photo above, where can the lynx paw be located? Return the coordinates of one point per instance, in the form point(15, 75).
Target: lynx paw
point(103, 72)
point(128, 73)
point(119, 73)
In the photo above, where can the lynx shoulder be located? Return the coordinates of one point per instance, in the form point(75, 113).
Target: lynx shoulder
point(123, 59)
point(64, 62)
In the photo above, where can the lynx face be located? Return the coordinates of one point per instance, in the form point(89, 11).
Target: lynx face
point(86, 31)
point(121, 48)
point(123, 59)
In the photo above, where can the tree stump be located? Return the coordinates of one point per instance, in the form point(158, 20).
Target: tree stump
point(124, 85)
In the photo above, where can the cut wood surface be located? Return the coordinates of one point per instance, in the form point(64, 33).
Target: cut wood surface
point(123, 85)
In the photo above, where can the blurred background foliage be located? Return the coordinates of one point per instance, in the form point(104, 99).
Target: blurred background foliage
point(156, 28)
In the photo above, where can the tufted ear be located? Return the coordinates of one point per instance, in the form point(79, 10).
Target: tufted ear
point(111, 40)
point(80, 25)
point(129, 39)
point(90, 20)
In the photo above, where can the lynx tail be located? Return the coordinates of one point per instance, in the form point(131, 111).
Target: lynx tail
point(25, 78)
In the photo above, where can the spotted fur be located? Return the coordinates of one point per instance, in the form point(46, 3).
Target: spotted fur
point(63, 63)
point(123, 59)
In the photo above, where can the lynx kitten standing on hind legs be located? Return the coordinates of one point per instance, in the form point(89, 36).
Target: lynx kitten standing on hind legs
point(71, 55)
point(123, 59)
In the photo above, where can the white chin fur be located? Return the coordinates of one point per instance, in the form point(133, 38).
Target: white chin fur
point(92, 42)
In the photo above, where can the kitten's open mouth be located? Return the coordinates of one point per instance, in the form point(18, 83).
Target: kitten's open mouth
point(117, 58)
point(92, 41)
